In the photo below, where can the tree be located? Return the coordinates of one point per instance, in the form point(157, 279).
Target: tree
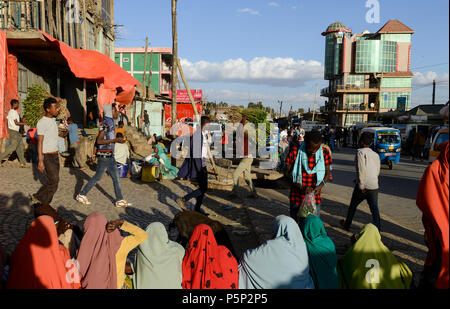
point(301, 110)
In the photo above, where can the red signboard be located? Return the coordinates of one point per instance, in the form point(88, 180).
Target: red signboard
point(184, 110)
point(183, 96)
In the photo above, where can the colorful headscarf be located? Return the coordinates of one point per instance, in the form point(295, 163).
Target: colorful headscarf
point(321, 252)
point(370, 265)
point(158, 261)
point(97, 254)
point(280, 263)
point(432, 200)
point(39, 261)
point(207, 265)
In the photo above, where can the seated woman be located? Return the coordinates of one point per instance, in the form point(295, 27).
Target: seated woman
point(369, 264)
point(39, 261)
point(167, 170)
point(207, 265)
point(321, 253)
point(158, 261)
point(103, 251)
point(279, 263)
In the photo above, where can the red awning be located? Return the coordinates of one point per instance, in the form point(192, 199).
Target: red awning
point(96, 67)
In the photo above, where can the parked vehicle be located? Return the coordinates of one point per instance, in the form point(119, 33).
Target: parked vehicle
point(440, 138)
point(387, 143)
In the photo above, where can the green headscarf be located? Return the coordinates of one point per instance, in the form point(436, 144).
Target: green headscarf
point(158, 261)
point(321, 252)
point(370, 265)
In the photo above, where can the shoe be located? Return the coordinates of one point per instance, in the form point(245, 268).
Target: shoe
point(182, 204)
point(83, 199)
point(123, 203)
point(342, 222)
point(33, 199)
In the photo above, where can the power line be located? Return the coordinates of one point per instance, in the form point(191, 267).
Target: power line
point(429, 66)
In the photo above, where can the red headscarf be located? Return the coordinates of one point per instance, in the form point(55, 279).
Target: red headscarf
point(39, 261)
point(207, 265)
point(432, 199)
point(97, 254)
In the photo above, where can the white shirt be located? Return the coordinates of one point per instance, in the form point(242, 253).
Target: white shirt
point(205, 146)
point(121, 153)
point(47, 127)
point(13, 115)
point(367, 169)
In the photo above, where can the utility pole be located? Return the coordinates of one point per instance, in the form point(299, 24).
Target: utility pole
point(174, 61)
point(434, 92)
point(144, 79)
point(186, 85)
point(281, 106)
point(315, 103)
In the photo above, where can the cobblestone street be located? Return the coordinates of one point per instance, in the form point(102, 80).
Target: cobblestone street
point(249, 222)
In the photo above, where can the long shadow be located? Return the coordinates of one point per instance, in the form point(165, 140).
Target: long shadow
point(81, 176)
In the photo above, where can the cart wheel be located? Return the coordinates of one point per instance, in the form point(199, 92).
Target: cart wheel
point(390, 165)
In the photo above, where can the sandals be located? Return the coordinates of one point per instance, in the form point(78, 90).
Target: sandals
point(123, 203)
point(83, 199)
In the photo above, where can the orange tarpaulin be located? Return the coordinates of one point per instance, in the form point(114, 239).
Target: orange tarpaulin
point(8, 83)
point(96, 67)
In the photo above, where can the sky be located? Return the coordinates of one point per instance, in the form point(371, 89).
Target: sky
point(262, 50)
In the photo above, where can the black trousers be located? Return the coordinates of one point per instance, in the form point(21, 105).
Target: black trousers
point(48, 190)
point(199, 194)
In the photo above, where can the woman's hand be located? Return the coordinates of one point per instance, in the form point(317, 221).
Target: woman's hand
point(113, 225)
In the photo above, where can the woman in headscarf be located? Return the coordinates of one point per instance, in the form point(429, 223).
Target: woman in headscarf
point(207, 265)
point(167, 170)
point(280, 263)
point(103, 251)
point(158, 261)
point(432, 200)
point(321, 253)
point(39, 261)
point(369, 264)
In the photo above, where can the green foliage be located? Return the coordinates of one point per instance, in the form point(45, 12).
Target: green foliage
point(257, 116)
point(33, 105)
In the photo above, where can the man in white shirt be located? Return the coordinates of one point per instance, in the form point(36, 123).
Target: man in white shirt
point(367, 170)
point(15, 138)
point(121, 151)
point(48, 155)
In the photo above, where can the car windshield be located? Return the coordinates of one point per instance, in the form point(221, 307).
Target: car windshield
point(441, 139)
point(388, 139)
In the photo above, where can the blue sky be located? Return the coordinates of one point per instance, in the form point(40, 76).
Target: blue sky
point(280, 42)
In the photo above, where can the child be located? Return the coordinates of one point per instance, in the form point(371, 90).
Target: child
point(121, 151)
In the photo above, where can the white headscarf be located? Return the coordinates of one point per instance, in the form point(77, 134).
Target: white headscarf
point(158, 263)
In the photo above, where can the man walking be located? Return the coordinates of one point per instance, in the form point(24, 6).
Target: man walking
point(245, 166)
point(105, 154)
point(367, 171)
point(146, 124)
point(48, 155)
point(15, 138)
point(194, 166)
point(310, 165)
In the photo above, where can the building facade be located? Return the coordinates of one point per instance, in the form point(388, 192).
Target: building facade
point(368, 73)
point(159, 80)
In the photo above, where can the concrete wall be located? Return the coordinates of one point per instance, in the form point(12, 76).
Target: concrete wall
point(403, 56)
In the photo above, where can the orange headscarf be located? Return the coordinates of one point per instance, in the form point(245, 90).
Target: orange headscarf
point(432, 200)
point(207, 265)
point(39, 261)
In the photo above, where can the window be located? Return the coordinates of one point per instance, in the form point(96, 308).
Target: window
point(388, 138)
point(389, 99)
point(126, 60)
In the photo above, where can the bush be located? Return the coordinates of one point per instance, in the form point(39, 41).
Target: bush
point(33, 105)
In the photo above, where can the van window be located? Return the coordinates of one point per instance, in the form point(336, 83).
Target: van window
point(388, 138)
point(441, 139)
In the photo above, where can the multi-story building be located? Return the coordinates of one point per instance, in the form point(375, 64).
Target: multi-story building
point(160, 59)
point(368, 73)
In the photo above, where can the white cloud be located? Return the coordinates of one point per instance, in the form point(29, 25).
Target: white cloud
point(424, 79)
point(294, 7)
point(249, 11)
point(274, 4)
point(276, 72)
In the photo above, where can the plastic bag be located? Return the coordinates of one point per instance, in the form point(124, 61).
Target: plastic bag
point(308, 206)
point(136, 169)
